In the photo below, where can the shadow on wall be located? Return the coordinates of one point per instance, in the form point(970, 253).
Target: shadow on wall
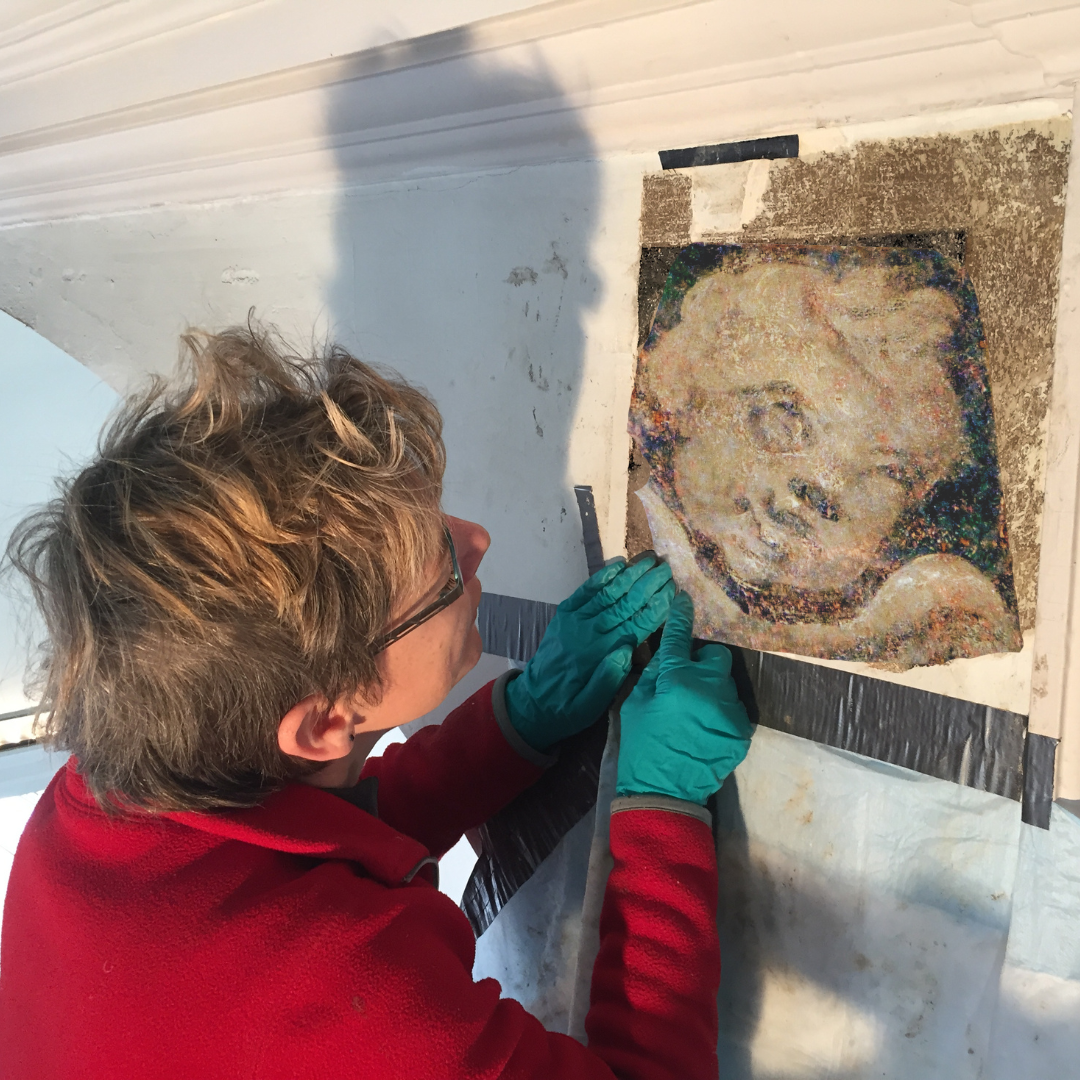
point(474, 285)
point(475, 282)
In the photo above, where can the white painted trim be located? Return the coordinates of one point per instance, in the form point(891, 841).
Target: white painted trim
point(1055, 693)
point(565, 80)
point(86, 28)
point(231, 39)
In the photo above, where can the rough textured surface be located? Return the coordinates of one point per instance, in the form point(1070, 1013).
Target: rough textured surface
point(1004, 188)
point(817, 423)
point(666, 209)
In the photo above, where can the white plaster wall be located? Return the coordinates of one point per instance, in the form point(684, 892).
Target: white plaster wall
point(511, 296)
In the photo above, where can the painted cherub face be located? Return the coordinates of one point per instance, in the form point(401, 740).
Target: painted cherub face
point(814, 411)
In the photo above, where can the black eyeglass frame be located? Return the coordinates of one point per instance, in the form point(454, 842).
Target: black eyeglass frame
point(451, 592)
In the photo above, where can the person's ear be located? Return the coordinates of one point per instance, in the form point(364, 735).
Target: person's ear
point(317, 730)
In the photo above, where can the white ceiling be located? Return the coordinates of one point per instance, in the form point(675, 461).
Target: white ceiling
point(113, 106)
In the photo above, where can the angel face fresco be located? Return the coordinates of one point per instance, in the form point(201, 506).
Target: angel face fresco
point(807, 415)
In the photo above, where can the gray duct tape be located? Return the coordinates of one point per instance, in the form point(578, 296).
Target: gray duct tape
point(511, 626)
point(945, 737)
point(1039, 753)
point(959, 741)
point(518, 838)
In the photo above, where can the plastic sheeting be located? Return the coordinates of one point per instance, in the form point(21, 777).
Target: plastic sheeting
point(874, 922)
point(944, 737)
point(533, 944)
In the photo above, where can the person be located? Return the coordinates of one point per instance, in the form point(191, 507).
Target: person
point(251, 582)
point(811, 406)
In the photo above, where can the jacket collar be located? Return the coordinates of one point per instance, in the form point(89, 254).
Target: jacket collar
point(300, 820)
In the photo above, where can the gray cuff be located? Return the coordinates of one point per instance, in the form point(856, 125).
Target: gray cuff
point(661, 802)
point(502, 716)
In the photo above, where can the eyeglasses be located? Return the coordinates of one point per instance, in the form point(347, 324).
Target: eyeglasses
point(454, 587)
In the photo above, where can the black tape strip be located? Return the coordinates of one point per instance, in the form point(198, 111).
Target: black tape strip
point(1039, 754)
point(939, 736)
point(510, 626)
point(590, 530)
point(522, 835)
point(780, 146)
point(969, 744)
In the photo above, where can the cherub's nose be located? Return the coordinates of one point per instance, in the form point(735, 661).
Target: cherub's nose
point(773, 518)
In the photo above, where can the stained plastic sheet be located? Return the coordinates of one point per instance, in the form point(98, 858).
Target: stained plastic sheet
point(866, 914)
point(517, 840)
point(874, 921)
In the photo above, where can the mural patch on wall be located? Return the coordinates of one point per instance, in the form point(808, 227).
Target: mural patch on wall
point(919, 275)
point(819, 433)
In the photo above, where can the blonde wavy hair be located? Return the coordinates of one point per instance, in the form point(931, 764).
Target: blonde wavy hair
point(237, 544)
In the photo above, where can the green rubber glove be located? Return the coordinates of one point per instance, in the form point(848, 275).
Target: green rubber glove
point(684, 728)
point(585, 652)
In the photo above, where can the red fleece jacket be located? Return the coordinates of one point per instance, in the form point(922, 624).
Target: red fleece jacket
point(295, 940)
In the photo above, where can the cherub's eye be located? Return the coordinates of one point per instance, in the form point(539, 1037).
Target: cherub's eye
point(777, 421)
point(814, 497)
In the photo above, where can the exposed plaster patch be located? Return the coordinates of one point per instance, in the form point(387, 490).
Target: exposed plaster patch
point(757, 183)
point(718, 196)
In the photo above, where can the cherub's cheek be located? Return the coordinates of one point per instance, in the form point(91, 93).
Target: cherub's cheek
point(876, 498)
point(709, 463)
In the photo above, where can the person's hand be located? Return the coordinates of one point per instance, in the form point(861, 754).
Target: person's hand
point(585, 652)
point(684, 728)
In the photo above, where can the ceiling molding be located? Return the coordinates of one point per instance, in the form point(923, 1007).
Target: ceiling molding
point(112, 56)
point(89, 28)
point(563, 80)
